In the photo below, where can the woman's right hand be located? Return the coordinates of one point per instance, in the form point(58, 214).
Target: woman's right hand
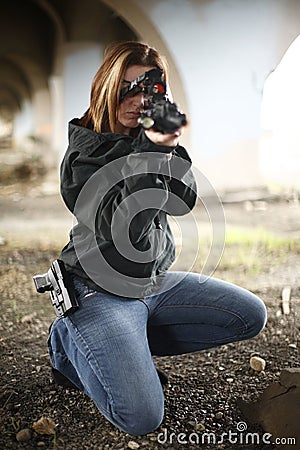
point(164, 139)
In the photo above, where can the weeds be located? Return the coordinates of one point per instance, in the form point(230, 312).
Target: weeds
point(15, 424)
point(249, 251)
point(252, 250)
point(261, 238)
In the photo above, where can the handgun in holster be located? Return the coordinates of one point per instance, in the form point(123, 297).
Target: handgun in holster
point(58, 282)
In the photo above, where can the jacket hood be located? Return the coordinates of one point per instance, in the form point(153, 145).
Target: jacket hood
point(87, 152)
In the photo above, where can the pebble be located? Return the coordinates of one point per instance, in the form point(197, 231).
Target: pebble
point(199, 426)
point(133, 445)
point(23, 435)
point(27, 318)
point(258, 364)
point(219, 415)
point(204, 392)
point(44, 425)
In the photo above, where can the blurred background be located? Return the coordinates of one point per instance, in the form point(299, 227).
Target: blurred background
point(234, 69)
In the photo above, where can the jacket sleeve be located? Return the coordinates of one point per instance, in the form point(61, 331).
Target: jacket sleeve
point(182, 184)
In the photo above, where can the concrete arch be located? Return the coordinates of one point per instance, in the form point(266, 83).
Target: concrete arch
point(27, 55)
point(60, 32)
point(48, 8)
point(10, 103)
point(13, 84)
point(146, 31)
point(30, 70)
point(35, 91)
point(51, 51)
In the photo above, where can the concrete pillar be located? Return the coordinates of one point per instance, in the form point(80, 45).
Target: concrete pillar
point(81, 62)
point(57, 142)
point(280, 141)
point(23, 125)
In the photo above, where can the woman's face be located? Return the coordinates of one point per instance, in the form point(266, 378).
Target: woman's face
point(129, 109)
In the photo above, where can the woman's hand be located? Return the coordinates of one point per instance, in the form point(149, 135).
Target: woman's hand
point(166, 139)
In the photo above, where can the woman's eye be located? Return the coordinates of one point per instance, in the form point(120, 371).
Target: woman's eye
point(135, 91)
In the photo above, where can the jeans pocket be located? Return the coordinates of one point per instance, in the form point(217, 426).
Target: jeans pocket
point(81, 289)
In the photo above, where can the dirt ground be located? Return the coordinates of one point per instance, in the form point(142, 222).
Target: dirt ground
point(203, 387)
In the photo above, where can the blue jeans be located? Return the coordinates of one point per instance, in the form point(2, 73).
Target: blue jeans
point(105, 347)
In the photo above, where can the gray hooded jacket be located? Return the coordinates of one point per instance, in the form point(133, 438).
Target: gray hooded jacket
point(120, 190)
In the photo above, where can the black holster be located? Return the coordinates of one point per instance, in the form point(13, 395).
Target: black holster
point(58, 282)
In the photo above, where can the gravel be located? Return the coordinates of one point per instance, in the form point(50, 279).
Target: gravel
point(203, 387)
point(200, 398)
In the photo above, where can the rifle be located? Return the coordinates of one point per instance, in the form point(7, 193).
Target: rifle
point(158, 113)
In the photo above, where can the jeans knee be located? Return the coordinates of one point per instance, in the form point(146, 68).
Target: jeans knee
point(148, 425)
point(258, 319)
point(140, 422)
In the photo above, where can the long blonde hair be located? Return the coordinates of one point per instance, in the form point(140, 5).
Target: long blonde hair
point(101, 115)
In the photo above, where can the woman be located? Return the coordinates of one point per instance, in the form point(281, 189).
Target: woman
point(121, 182)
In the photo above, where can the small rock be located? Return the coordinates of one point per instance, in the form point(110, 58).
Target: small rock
point(27, 318)
point(23, 435)
point(199, 426)
point(292, 345)
point(290, 377)
point(286, 297)
point(2, 241)
point(133, 445)
point(219, 415)
point(258, 364)
point(44, 425)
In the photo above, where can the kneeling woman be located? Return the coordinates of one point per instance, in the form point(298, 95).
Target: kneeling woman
point(121, 182)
